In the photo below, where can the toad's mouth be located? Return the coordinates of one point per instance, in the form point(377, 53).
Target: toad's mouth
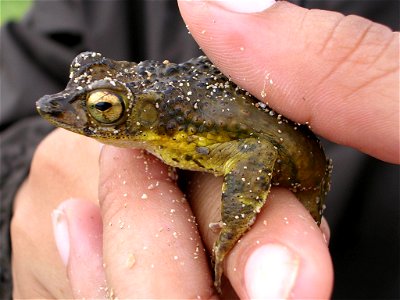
point(60, 112)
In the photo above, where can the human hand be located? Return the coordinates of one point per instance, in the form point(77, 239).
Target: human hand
point(283, 224)
point(142, 236)
point(64, 165)
point(144, 231)
point(340, 74)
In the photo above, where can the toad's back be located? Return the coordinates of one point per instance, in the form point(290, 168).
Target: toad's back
point(192, 117)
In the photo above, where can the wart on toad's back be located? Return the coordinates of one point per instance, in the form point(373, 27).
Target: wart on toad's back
point(193, 117)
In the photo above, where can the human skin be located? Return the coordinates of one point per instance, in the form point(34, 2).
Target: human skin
point(147, 245)
point(154, 230)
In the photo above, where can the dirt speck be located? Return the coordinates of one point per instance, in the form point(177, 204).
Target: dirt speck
point(130, 262)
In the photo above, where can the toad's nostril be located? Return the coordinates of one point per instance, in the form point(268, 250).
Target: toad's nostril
point(54, 103)
point(49, 104)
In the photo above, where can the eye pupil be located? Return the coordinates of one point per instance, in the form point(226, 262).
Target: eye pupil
point(103, 106)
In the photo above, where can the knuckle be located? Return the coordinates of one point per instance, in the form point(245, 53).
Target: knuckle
point(44, 159)
point(21, 213)
point(355, 40)
point(109, 196)
point(111, 208)
point(345, 37)
point(361, 49)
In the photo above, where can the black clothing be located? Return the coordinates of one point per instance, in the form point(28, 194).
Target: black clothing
point(363, 207)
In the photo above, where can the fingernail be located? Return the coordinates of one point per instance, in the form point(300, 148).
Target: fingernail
point(271, 272)
point(61, 234)
point(248, 6)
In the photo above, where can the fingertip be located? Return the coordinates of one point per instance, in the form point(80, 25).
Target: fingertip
point(129, 174)
point(313, 66)
point(250, 6)
point(150, 237)
point(271, 272)
point(284, 255)
point(61, 234)
point(326, 232)
point(120, 161)
point(78, 233)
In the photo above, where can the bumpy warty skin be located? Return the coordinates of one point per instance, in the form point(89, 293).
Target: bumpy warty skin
point(193, 117)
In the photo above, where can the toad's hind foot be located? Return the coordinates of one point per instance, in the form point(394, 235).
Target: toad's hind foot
point(246, 185)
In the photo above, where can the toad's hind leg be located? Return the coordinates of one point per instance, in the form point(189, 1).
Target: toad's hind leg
point(313, 198)
point(247, 180)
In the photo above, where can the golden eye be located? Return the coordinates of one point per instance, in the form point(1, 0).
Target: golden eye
point(105, 106)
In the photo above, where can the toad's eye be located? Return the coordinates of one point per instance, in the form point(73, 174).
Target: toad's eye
point(105, 106)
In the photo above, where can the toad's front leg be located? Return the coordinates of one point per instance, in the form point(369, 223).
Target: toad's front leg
point(247, 179)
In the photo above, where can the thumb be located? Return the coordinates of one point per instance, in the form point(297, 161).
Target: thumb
point(77, 228)
point(338, 73)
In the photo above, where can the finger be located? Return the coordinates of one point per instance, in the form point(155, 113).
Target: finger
point(326, 232)
point(338, 73)
point(285, 238)
point(58, 163)
point(151, 245)
point(283, 255)
point(78, 231)
point(53, 177)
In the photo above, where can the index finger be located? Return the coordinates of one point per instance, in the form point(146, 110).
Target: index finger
point(283, 255)
point(151, 247)
point(338, 73)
